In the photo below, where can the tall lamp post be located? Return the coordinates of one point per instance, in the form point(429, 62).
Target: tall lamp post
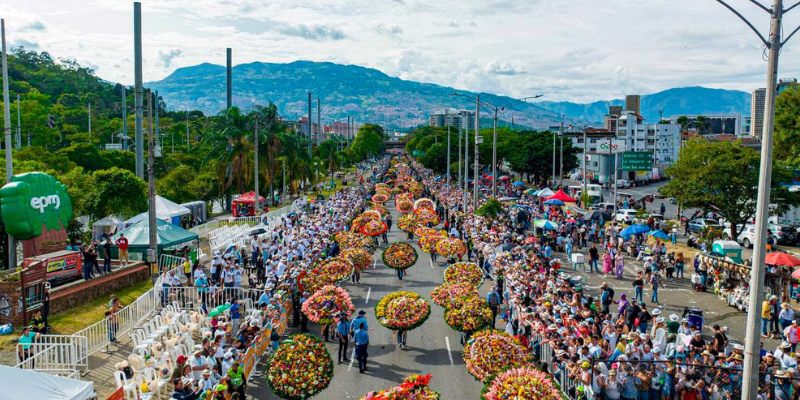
point(774, 44)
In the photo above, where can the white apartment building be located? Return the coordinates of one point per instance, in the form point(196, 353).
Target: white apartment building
point(664, 139)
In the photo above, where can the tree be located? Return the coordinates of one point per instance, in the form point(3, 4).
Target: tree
point(702, 123)
point(723, 177)
point(174, 187)
point(117, 191)
point(533, 155)
point(329, 155)
point(230, 143)
point(490, 209)
point(367, 142)
point(374, 128)
point(787, 126)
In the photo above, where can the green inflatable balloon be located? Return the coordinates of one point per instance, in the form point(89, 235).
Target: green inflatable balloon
point(32, 200)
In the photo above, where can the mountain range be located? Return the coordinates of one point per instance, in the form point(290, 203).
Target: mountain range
point(369, 95)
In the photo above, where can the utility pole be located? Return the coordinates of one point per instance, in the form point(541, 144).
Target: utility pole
point(561, 156)
point(151, 184)
point(319, 137)
point(12, 245)
point(466, 164)
point(90, 122)
point(477, 135)
point(309, 125)
point(255, 141)
point(124, 113)
point(447, 180)
point(19, 126)
point(229, 78)
point(283, 197)
point(138, 93)
point(188, 143)
point(585, 193)
point(159, 139)
point(752, 339)
point(554, 157)
point(460, 125)
point(494, 156)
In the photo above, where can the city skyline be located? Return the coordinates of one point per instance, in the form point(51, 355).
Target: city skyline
point(581, 54)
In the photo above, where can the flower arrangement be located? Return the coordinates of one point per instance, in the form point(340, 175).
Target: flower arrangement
point(416, 188)
point(399, 255)
point(360, 258)
point(374, 215)
point(425, 231)
point(523, 384)
point(424, 203)
point(300, 368)
point(354, 240)
point(408, 223)
point(426, 216)
point(464, 272)
point(471, 316)
point(380, 208)
point(380, 198)
point(415, 387)
point(325, 306)
point(362, 219)
point(402, 311)
point(374, 228)
point(381, 186)
point(404, 206)
point(446, 294)
point(451, 247)
point(336, 268)
point(428, 243)
point(489, 352)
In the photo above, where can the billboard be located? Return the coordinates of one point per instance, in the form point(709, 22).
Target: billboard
point(610, 146)
point(637, 161)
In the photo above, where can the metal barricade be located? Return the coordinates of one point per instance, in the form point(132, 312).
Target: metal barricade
point(55, 353)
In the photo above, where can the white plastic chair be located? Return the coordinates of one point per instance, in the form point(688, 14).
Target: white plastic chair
point(660, 339)
point(128, 388)
point(150, 375)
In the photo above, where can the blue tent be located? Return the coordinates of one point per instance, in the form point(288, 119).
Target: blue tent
point(658, 234)
point(554, 202)
point(634, 230)
point(519, 183)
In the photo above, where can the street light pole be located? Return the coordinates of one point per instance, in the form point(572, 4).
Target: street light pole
point(477, 135)
point(460, 123)
point(561, 156)
point(584, 194)
point(447, 180)
point(554, 157)
point(494, 156)
point(255, 140)
point(12, 246)
point(752, 339)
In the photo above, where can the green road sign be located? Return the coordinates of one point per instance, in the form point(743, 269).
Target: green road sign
point(637, 161)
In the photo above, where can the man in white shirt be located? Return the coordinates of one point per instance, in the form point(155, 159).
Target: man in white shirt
point(198, 364)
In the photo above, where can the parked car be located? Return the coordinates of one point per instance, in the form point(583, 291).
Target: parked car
point(625, 215)
point(747, 237)
point(698, 224)
point(622, 183)
point(607, 207)
point(784, 234)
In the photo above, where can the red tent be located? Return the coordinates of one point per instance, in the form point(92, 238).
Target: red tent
point(243, 205)
point(782, 259)
point(560, 195)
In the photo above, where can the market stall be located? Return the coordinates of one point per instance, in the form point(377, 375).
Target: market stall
point(106, 227)
point(731, 280)
point(170, 238)
point(243, 206)
point(166, 211)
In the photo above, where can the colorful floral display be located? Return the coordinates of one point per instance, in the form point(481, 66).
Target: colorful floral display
point(464, 272)
point(336, 268)
point(428, 243)
point(425, 231)
point(381, 186)
point(415, 387)
point(424, 203)
point(399, 256)
point(361, 220)
point(489, 352)
point(300, 368)
point(374, 228)
point(451, 247)
point(354, 240)
point(325, 306)
point(446, 294)
point(380, 208)
point(374, 215)
point(408, 223)
point(472, 315)
point(360, 258)
point(522, 384)
point(404, 206)
point(426, 216)
point(402, 311)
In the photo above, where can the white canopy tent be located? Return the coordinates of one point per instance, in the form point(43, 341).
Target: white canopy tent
point(546, 192)
point(107, 226)
point(166, 211)
point(27, 384)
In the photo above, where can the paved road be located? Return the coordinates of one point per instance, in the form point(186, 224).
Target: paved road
point(432, 348)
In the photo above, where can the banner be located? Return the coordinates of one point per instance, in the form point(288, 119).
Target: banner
point(637, 161)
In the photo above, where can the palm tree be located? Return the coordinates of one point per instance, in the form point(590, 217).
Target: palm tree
point(230, 144)
point(327, 152)
point(272, 135)
point(702, 123)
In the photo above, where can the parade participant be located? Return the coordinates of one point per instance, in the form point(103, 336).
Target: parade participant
point(362, 341)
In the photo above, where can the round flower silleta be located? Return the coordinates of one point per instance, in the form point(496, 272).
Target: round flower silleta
point(402, 311)
point(464, 272)
point(300, 368)
point(380, 208)
point(404, 206)
point(360, 258)
point(428, 243)
point(399, 255)
point(489, 352)
point(354, 240)
point(473, 314)
point(448, 294)
point(423, 231)
point(408, 223)
point(522, 384)
point(426, 216)
point(451, 247)
point(424, 203)
point(415, 387)
point(326, 305)
point(374, 228)
point(337, 268)
point(380, 198)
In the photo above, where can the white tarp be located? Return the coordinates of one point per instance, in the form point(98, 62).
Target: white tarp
point(19, 383)
point(165, 210)
point(546, 192)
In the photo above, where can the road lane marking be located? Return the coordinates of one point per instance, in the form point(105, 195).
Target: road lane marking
point(431, 260)
point(449, 352)
point(352, 357)
point(368, 292)
point(375, 264)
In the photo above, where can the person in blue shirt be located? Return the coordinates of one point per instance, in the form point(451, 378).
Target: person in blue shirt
point(362, 341)
point(235, 316)
point(264, 299)
point(359, 320)
point(494, 303)
point(343, 331)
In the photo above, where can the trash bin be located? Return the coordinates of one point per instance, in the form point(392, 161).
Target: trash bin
point(695, 317)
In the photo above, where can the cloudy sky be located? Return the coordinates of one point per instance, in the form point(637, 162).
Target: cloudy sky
point(578, 50)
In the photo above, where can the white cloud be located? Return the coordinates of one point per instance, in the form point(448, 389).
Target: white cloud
point(588, 51)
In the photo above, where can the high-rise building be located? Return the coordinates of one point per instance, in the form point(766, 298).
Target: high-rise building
point(662, 139)
point(757, 112)
point(615, 110)
point(718, 124)
point(610, 123)
point(455, 118)
point(633, 102)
